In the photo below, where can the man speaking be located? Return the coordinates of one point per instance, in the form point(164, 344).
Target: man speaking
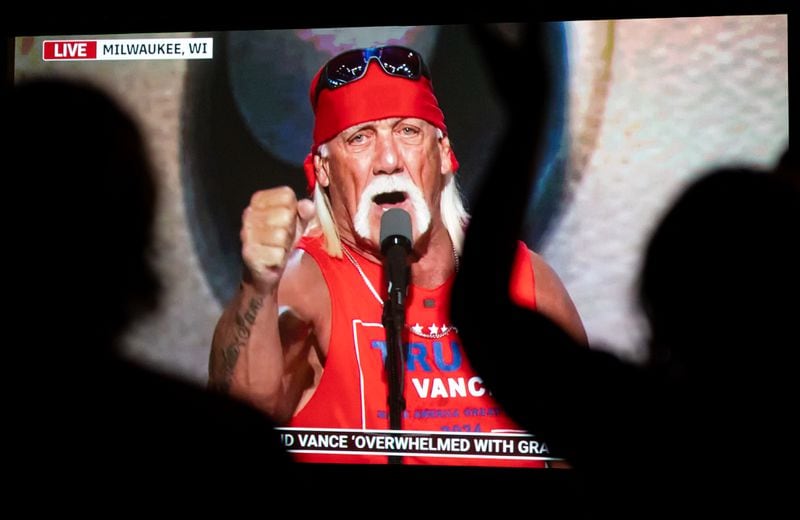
point(304, 338)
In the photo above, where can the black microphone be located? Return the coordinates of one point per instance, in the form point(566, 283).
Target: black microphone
point(396, 246)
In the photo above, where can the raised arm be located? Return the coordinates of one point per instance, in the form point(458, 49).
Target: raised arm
point(262, 342)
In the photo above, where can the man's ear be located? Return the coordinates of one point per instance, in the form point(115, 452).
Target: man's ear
point(446, 155)
point(321, 165)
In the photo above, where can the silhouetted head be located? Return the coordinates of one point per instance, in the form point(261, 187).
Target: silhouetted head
point(89, 199)
point(788, 168)
point(720, 278)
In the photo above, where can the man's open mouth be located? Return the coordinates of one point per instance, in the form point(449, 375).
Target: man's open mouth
point(390, 198)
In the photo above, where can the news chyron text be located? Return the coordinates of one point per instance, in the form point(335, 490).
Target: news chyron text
point(129, 49)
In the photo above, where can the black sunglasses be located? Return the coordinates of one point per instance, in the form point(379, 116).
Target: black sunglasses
point(352, 65)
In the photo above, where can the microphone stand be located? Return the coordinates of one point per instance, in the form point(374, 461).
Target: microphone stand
point(394, 321)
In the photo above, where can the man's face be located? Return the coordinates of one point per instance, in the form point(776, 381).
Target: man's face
point(378, 165)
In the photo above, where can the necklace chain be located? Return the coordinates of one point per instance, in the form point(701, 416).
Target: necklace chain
point(416, 329)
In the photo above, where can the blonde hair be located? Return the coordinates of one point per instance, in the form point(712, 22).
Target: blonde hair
point(451, 207)
point(333, 244)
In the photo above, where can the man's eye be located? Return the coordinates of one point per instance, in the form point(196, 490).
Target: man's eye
point(357, 139)
point(409, 130)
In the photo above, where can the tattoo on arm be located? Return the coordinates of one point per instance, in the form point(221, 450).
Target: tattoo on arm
point(225, 361)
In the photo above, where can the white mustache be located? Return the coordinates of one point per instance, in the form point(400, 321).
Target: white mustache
point(388, 184)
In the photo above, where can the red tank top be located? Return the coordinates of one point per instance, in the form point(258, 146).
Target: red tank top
point(443, 393)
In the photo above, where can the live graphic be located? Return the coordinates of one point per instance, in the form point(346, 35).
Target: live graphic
point(129, 49)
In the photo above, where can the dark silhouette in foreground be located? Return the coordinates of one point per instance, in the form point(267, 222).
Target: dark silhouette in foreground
point(83, 247)
point(707, 425)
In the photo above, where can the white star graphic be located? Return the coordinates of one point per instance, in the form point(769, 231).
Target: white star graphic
point(434, 329)
point(417, 329)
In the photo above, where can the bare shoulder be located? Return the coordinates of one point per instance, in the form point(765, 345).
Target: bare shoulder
point(302, 288)
point(553, 300)
point(548, 284)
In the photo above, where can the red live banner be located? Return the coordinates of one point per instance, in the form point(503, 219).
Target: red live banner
point(70, 50)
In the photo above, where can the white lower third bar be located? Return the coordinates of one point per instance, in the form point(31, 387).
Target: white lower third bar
point(156, 49)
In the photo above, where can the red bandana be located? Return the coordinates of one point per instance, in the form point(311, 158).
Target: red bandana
point(375, 96)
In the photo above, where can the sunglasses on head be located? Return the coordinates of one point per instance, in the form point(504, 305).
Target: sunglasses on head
point(352, 65)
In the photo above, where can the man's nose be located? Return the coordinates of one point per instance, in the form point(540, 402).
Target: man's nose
point(387, 159)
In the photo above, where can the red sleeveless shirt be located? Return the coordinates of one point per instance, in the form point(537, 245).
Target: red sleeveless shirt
point(442, 392)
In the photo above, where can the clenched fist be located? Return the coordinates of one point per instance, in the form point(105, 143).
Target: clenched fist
point(271, 226)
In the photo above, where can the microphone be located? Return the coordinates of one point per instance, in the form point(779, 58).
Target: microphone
point(396, 245)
